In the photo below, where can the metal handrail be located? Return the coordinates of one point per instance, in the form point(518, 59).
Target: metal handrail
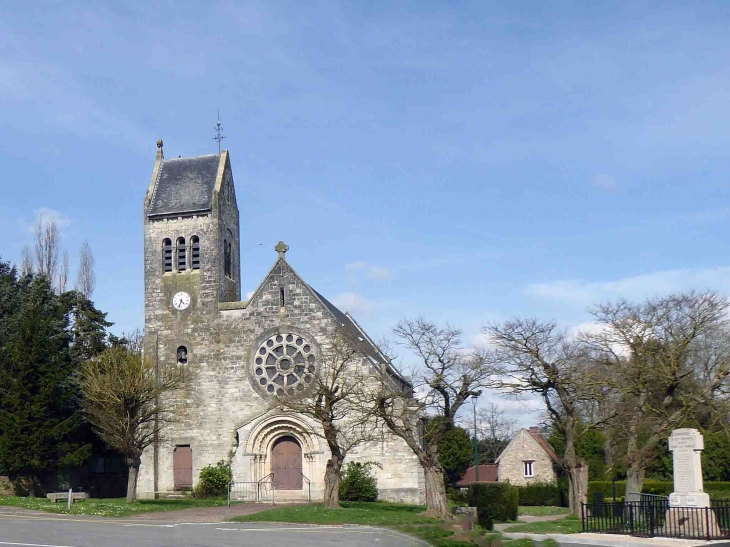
point(270, 479)
point(309, 486)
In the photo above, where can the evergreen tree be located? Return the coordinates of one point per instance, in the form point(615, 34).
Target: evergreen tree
point(89, 326)
point(38, 408)
point(456, 453)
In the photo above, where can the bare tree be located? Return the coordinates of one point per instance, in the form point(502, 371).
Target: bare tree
point(123, 400)
point(26, 261)
point(494, 431)
point(446, 376)
point(538, 358)
point(85, 277)
point(332, 400)
point(63, 274)
point(668, 358)
point(47, 240)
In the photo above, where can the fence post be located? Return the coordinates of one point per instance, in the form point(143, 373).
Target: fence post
point(70, 498)
point(228, 503)
point(707, 522)
point(582, 517)
point(651, 520)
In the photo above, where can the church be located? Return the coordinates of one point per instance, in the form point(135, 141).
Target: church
point(237, 356)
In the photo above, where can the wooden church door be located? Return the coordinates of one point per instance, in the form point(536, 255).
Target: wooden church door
point(286, 464)
point(182, 465)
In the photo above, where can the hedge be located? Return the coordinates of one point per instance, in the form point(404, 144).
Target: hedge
point(717, 489)
point(497, 501)
point(540, 494)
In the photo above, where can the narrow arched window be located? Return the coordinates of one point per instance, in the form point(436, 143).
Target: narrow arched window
point(195, 252)
point(226, 258)
point(182, 360)
point(181, 262)
point(167, 255)
point(230, 260)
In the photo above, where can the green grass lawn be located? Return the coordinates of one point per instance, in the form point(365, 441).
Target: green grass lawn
point(109, 507)
point(541, 511)
point(403, 518)
point(568, 525)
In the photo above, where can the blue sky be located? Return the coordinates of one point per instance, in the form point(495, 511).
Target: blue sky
point(465, 161)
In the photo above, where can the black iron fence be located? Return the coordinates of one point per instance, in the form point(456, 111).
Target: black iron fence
point(651, 517)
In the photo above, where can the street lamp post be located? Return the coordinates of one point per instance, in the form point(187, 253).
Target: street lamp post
point(476, 446)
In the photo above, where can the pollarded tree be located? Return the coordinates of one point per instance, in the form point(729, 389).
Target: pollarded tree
point(668, 359)
point(124, 399)
point(332, 400)
point(444, 378)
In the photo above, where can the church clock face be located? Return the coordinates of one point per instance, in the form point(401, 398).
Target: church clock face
point(181, 300)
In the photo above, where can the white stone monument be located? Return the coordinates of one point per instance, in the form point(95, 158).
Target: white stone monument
point(689, 514)
point(686, 446)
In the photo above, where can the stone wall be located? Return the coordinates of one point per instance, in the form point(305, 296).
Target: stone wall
point(524, 447)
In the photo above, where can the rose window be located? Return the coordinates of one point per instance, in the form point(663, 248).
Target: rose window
point(284, 365)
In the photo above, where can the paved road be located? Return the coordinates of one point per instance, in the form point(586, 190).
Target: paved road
point(57, 531)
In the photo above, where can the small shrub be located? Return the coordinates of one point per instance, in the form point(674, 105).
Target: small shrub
point(213, 480)
point(357, 483)
point(544, 493)
point(495, 502)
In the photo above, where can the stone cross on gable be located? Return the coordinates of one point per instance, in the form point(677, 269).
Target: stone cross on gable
point(686, 446)
point(281, 248)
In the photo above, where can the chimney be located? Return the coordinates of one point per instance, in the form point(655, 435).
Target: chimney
point(534, 430)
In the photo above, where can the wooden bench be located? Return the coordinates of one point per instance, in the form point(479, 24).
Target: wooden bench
point(75, 496)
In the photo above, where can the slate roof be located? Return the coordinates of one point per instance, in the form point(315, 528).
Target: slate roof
point(184, 185)
point(487, 473)
point(367, 346)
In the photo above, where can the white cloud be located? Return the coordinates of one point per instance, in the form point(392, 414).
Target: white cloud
point(46, 214)
point(370, 271)
point(353, 303)
point(605, 182)
point(585, 293)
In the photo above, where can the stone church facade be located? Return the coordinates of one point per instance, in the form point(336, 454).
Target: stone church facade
point(237, 356)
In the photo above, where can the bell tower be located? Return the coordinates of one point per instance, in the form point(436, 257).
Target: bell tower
point(191, 240)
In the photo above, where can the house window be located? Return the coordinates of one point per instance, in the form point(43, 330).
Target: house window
point(181, 262)
point(167, 255)
point(528, 468)
point(282, 303)
point(195, 252)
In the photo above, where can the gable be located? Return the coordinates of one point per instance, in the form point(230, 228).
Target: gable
point(184, 186)
point(524, 443)
point(305, 301)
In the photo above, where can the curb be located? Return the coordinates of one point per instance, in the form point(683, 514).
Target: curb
point(600, 540)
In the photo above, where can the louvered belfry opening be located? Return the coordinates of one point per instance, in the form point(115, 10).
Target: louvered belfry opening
point(181, 259)
point(167, 255)
point(195, 252)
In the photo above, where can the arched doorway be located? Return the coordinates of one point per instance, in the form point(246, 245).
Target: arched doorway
point(286, 463)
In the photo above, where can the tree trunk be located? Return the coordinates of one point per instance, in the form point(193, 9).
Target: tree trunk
point(634, 479)
point(332, 483)
point(133, 464)
point(577, 470)
point(435, 491)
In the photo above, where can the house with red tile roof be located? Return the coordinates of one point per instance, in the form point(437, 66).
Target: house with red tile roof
point(527, 459)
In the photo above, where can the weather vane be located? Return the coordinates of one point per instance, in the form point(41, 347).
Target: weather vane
point(218, 132)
